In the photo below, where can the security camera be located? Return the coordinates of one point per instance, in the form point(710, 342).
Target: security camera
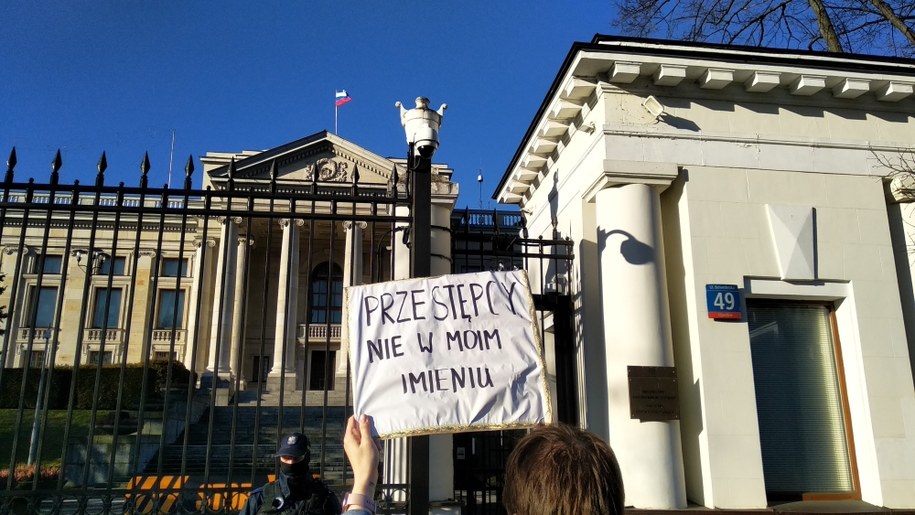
point(425, 141)
point(426, 149)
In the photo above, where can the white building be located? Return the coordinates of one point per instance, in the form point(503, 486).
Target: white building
point(678, 168)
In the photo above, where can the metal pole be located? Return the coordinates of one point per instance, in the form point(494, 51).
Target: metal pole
point(420, 254)
point(422, 217)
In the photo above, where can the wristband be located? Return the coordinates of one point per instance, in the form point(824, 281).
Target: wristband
point(352, 499)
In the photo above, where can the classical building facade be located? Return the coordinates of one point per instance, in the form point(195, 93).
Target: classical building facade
point(740, 240)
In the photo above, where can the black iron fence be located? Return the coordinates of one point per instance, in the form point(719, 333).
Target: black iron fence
point(158, 342)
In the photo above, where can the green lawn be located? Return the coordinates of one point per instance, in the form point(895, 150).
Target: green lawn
point(52, 445)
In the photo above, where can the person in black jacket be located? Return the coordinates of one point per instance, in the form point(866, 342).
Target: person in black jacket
point(295, 491)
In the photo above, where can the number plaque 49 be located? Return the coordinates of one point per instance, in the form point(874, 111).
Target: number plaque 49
point(723, 301)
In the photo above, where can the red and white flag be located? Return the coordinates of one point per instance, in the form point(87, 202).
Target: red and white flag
point(341, 98)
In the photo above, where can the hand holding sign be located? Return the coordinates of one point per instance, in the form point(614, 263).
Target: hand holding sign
point(446, 354)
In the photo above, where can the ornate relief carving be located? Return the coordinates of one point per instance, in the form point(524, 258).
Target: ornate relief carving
point(327, 170)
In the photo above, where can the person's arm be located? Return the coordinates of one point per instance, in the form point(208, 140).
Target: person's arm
point(253, 503)
point(363, 456)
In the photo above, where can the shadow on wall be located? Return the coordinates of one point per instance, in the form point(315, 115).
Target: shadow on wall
point(593, 355)
point(633, 251)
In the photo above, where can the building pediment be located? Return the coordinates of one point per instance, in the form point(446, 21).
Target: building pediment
point(321, 157)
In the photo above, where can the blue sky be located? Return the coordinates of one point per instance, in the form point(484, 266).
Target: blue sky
point(121, 75)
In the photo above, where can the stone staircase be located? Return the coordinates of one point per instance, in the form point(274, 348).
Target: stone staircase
point(250, 397)
point(229, 441)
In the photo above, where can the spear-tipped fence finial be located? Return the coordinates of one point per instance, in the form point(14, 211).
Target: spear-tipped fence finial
point(102, 163)
point(102, 166)
point(188, 172)
point(144, 170)
point(56, 163)
point(10, 164)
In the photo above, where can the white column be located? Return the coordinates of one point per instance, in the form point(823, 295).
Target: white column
point(352, 276)
point(223, 301)
point(238, 331)
point(397, 464)
point(636, 317)
point(196, 340)
point(441, 457)
point(286, 305)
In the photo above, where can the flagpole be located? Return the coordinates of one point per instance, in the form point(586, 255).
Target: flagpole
point(340, 97)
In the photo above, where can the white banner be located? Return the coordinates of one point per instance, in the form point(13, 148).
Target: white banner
point(446, 354)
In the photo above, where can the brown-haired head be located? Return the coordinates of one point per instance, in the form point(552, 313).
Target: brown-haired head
point(562, 470)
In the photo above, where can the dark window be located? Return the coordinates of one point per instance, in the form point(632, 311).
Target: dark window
point(44, 307)
point(115, 264)
point(799, 399)
point(321, 373)
point(99, 358)
point(107, 308)
point(36, 358)
point(170, 309)
point(164, 356)
point(174, 267)
point(48, 264)
point(326, 294)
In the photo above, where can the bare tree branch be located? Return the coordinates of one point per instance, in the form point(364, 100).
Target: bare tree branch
point(888, 13)
point(864, 26)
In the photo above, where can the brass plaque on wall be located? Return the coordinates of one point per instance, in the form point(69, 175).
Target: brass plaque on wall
point(653, 394)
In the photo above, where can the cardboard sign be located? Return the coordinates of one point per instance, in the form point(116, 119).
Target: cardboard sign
point(446, 354)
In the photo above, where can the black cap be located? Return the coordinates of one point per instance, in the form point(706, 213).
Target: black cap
point(294, 444)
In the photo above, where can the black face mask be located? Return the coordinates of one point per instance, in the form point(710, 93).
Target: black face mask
point(295, 472)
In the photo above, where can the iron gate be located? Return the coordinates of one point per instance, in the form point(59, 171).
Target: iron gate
point(498, 240)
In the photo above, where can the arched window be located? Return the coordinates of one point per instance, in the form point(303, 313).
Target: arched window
point(326, 288)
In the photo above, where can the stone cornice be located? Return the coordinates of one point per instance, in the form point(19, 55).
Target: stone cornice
point(607, 63)
point(617, 173)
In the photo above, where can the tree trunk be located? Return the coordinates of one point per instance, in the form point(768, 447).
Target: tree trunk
point(827, 30)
